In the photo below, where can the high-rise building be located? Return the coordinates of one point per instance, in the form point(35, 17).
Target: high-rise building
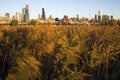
point(43, 14)
point(7, 15)
point(77, 17)
point(99, 13)
point(105, 17)
point(26, 13)
point(39, 16)
point(95, 17)
point(18, 16)
point(112, 18)
point(99, 16)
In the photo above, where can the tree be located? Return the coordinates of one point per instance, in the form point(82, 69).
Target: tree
point(14, 23)
point(112, 22)
point(33, 22)
point(118, 22)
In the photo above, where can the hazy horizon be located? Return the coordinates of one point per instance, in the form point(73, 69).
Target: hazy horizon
point(62, 7)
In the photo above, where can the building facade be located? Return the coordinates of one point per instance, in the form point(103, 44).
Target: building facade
point(18, 16)
point(43, 14)
point(26, 13)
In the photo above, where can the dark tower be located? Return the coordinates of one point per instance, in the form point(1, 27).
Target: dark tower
point(43, 14)
point(112, 18)
point(96, 17)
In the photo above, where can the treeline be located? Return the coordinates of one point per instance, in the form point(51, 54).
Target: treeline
point(60, 53)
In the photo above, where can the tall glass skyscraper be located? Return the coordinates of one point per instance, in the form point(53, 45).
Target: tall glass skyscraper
point(26, 13)
point(43, 14)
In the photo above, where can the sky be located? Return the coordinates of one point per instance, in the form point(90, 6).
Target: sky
point(59, 8)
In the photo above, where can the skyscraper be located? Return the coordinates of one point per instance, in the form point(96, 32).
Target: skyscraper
point(18, 16)
point(43, 14)
point(77, 17)
point(112, 18)
point(26, 13)
point(95, 17)
point(99, 16)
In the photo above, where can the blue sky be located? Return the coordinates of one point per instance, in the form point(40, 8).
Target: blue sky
point(58, 8)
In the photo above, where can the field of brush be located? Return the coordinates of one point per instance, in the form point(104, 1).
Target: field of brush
point(59, 53)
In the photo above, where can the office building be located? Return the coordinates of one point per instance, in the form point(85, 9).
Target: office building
point(39, 16)
point(77, 17)
point(26, 13)
point(99, 16)
point(95, 17)
point(105, 17)
point(43, 14)
point(112, 18)
point(18, 16)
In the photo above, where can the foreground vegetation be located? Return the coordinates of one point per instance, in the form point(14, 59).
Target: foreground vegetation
point(59, 53)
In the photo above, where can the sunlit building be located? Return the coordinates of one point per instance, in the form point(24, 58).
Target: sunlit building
point(18, 16)
point(99, 15)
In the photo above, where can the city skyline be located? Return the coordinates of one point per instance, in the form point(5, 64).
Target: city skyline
point(85, 8)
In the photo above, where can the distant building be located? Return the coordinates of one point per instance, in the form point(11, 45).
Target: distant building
point(65, 18)
point(39, 16)
point(7, 15)
point(112, 18)
point(95, 17)
point(105, 17)
point(77, 17)
point(99, 16)
point(51, 19)
point(18, 16)
point(43, 14)
point(26, 13)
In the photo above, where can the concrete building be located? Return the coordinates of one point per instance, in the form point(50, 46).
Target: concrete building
point(105, 17)
point(18, 16)
point(99, 16)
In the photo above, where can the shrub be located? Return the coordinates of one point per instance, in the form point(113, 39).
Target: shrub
point(14, 23)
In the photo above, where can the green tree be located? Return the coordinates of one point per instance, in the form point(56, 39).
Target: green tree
point(33, 22)
point(112, 22)
point(14, 23)
point(118, 22)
